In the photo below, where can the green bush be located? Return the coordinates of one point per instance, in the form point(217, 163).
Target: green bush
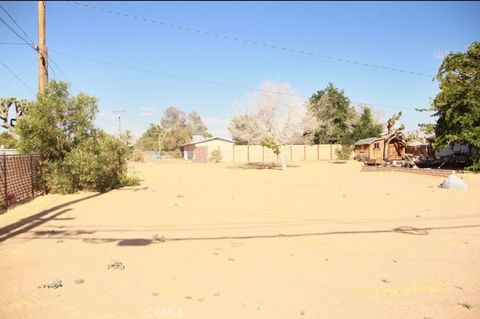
point(345, 152)
point(127, 180)
point(137, 155)
point(7, 140)
point(97, 164)
point(474, 165)
point(76, 155)
point(216, 156)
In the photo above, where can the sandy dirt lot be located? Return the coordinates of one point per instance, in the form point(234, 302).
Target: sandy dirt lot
point(319, 240)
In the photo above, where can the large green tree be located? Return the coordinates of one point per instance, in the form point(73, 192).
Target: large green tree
point(57, 122)
point(366, 126)
point(333, 113)
point(75, 154)
point(457, 105)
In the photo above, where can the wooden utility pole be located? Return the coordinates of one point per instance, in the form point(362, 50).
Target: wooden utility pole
point(42, 49)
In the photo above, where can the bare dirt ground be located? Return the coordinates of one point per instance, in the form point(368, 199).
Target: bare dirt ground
point(319, 240)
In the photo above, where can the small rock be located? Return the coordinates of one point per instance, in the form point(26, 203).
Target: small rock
point(453, 182)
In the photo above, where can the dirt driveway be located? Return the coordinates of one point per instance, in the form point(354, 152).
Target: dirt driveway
point(319, 240)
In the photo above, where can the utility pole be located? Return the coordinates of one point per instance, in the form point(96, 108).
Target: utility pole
point(42, 48)
point(119, 115)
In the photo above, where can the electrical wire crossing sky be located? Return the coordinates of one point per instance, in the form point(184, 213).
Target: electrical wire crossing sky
point(142, 57)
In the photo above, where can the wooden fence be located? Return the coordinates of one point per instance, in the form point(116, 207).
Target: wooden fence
point(19, 178)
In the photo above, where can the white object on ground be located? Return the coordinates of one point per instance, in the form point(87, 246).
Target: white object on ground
point(453, 182)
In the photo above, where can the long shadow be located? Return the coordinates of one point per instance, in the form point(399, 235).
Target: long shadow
point(407, 230)
point(402, 230)
point(33, 221)
point(261, 165)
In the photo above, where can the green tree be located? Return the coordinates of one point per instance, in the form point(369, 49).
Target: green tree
point(7, 140)
point(75, 155)
point(149, 141)
point(366, 126)
point(333, 114)
point(457, 105)
point(178, 132)
point(56, 122)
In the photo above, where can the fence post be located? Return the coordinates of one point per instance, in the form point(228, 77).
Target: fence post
point(233, 155)
point(331, 152)
point(304, 152)
point(263, 154)
point(291, 153)
point(248, 153)
point(5, 179)
point(32, 175)
point(318, 152)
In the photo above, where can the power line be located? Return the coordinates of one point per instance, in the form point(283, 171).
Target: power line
point(20, 73)
point(16, 33)
point(252, 42)
point(13, 43)
point(195, 79)
point(9, 70)
point(21, 29)
point(58, 68)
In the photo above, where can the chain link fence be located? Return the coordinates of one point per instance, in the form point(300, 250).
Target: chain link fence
point(19, 178)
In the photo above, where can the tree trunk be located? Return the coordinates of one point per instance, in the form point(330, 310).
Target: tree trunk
point(284, 165)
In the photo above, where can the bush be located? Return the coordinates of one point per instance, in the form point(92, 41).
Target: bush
point(345, 152)
point(176, 153)
point(216, 156)
point(129, 181)
point(76, 156)
point(97, 164)
point(137, 155)
point(474, 165)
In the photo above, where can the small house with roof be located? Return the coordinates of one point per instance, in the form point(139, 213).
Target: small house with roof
point(380, 149)
point(200, 149)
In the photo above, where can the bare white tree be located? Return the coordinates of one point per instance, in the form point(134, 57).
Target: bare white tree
point(273, 116)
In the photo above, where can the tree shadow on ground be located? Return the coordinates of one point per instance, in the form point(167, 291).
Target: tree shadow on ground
point(133, 188)
point(38, 219)
point(262, 165)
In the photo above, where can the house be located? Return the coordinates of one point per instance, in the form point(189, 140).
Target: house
point(419, 150)
point(200, 149)
point(380, 149)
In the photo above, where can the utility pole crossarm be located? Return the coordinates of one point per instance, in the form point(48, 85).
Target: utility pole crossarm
point(119, 114)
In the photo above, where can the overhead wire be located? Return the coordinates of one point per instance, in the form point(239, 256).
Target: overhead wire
point(16, 76)
point(18, 26)
point(218, 35)
point(19, 74)
point(196, 79)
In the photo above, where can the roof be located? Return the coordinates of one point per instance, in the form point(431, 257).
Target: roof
point(208, 139)
point(368, 141)
point(417, 143)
